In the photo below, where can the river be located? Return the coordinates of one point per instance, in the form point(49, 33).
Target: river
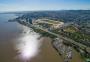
point(11, 31)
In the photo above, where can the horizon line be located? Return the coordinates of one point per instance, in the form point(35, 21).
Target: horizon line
point(40, 10)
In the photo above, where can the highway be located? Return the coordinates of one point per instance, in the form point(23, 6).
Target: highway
point(81, 46)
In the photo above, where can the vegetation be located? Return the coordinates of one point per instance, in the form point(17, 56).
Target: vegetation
point(73, 33)
point(45, 34)
point(71, 29)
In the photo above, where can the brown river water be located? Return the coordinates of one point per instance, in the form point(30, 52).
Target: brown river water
point(9, 31)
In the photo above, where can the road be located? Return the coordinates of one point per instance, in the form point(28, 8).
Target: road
point(81, 46)
point(64, 38)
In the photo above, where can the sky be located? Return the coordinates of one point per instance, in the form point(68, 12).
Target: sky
point(39, 5)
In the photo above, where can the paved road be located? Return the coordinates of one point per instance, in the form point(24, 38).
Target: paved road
point(64, 38)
